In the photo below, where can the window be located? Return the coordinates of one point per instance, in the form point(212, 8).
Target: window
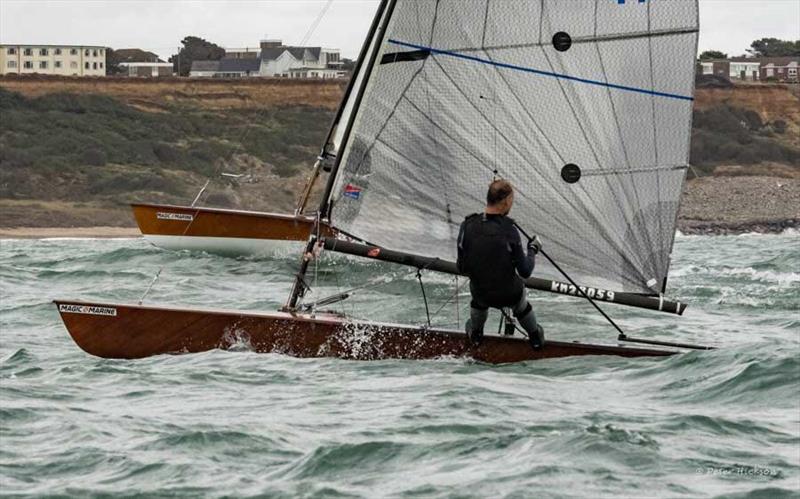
point(94, 53)
point(101, 65)
point(11, 51)
point(73, 64)
point(42, 51)
point(86, 66)
point(12, 64)
point(94, 65)
point(86, 52)
point(73, 51)
point(58, 51)
point(42, 64)
point(28, 65)
point(27, 52)
point(57, 64)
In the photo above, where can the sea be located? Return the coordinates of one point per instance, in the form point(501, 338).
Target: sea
point(717, 423)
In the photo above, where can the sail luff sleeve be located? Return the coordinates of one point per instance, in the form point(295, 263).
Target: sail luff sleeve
point(333, 139)
point(560, 98)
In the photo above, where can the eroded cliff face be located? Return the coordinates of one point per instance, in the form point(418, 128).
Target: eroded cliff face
point(76, 151)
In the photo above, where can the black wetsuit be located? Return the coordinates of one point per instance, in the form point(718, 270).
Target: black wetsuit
point(490, 252)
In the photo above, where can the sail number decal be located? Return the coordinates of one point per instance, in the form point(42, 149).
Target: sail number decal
point(88, 309)
point(568, 289)
point(183, 217)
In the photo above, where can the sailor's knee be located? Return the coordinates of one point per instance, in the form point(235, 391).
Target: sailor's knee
point(523, 311)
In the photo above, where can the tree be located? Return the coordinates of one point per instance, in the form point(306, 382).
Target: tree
point(112, 62)
point(773, 47)
point(195, 49)
point(713, 54)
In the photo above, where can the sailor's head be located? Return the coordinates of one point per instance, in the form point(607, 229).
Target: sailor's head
point(500, 197)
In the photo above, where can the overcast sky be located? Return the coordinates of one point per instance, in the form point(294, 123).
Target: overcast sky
point(159, 25)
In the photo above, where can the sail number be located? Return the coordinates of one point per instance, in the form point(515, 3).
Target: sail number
point(568, 289)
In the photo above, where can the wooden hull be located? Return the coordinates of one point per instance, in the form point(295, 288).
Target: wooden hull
point(222, 231)
point(131, 332)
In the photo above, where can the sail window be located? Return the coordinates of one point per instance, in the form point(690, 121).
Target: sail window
point(562, 41)
point(571, 173)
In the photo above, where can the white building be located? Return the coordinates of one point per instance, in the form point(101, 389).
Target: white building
point(146, 69)
point(62, 60)
point(278, 60)
point(274, 60)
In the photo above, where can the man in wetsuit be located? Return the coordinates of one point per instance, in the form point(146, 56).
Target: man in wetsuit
point(490, 252)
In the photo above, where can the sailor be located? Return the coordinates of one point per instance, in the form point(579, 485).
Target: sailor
point(490, 252)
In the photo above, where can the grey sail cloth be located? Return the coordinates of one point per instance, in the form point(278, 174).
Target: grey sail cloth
point(464, 88)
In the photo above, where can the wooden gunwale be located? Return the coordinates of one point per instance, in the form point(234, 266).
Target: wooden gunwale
point(153, 220)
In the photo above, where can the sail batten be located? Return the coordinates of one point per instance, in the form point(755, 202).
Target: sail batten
point(585, 106)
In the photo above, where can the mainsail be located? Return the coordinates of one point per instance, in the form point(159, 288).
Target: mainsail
point(584, 105)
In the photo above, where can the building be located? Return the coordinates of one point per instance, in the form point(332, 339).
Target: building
point(141, 64)
point(204, 69)
point(145, 69)
point(283, 61)
point(242, 53)
point(274, 60)
point(238, 68)
point(734, 70)
point(62, 60)
point(782, 69)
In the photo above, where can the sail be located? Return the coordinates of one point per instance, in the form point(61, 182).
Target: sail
point(584, 105)
point(371, 44)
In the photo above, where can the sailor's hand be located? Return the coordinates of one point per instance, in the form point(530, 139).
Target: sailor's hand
point(535, 245)
point(315, 252)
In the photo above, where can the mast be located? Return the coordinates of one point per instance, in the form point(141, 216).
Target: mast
point(324, 154)
point(374, 39)
point(385, 12)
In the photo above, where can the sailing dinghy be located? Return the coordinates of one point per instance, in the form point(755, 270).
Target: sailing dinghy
point(584, 105)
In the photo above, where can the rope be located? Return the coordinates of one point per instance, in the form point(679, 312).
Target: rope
point(424, 296)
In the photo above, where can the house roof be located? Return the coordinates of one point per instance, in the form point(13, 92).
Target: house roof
point(778, 61)
point(239, 65)
point(205, 65)
point(136, 55)
point(272, 53)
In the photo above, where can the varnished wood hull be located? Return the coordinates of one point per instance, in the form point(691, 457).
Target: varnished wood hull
point(131, 332)
point(222, 231)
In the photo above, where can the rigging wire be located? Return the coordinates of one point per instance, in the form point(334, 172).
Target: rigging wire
point(424, 296)
point(622, 334)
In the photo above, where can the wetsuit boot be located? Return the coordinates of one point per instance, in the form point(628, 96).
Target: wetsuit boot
point(475, 323)
point(527, 319)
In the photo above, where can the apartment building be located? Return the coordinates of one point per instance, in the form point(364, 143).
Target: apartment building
point(62, 60)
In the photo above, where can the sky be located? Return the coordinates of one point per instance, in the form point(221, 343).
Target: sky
point(159, 25)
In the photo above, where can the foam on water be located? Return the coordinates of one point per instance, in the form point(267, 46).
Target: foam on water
point(722, 423)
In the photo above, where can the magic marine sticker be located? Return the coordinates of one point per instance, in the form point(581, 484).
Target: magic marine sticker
point(88, 309)
point(183, 217)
